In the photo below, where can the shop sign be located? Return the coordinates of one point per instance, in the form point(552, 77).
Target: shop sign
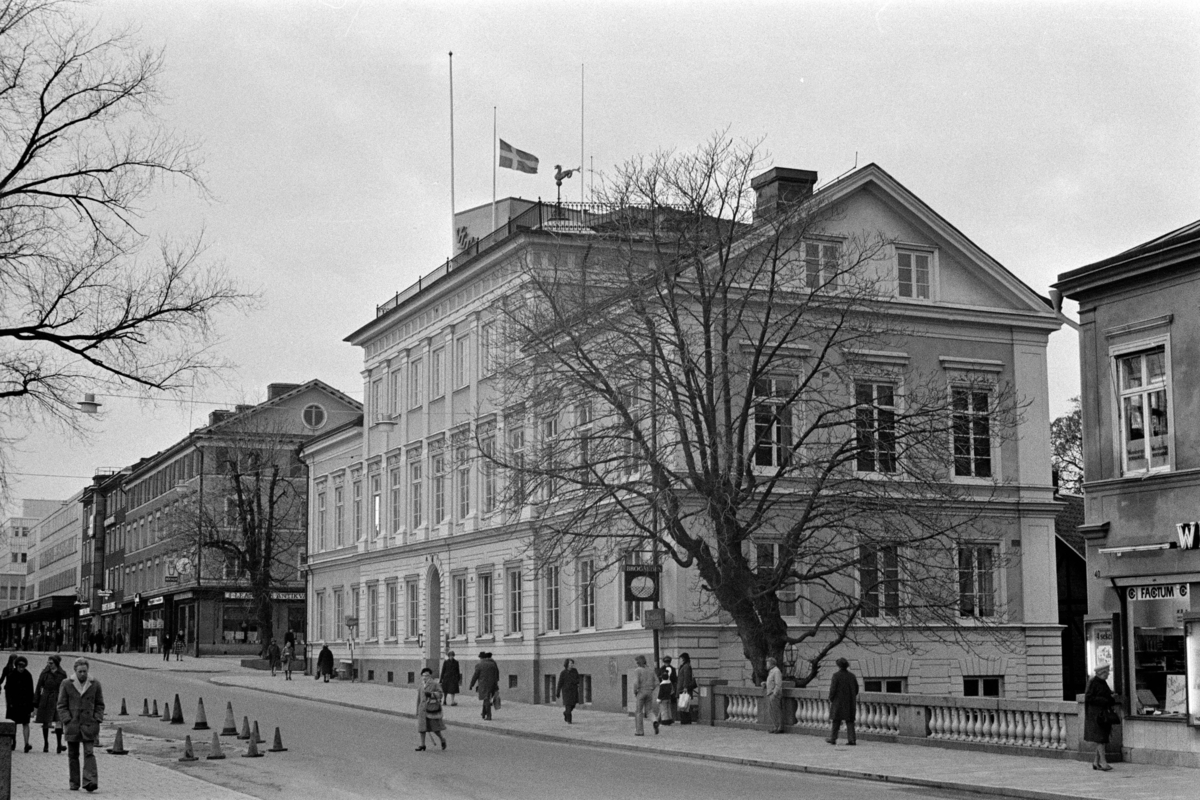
point(86, 611)
point(109, 606)
point(1189, 535)
point(155, 601)
point(274, 596)
point(239, 596)
point(184, 596)
point(1166, 591)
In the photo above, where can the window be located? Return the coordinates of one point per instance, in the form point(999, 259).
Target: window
point(373, 612)
point(550, 579)
point(413, 610)
point(912, 273)
point(1145, 430)
point(397, 392)
point(437, 463)
point(875, 423)
point(766, 555)
point(320, 520)
point(487, 493)
point(397, 500)
point(487, 349)
point(339, 610)
point(486, 604)
point(376, 505)
point(313, 416)
point(983, 686)
point(820, 265)
point(378, 408)
point(889, 685)
point(549, 436)
point(587, 593)
point(972, 432)
point(977, 580)
point(583, 418)
point(460, 605)
point(461, 373)
point(414, 490)
point(393, 610)
point(462, 473)
point(320, 626)
point(415, 394)
point(516, 447)
point(514, 600)
point(437, 372)
point(773, 421)
point(879, 580)
point(339, 516)
point(358, 510)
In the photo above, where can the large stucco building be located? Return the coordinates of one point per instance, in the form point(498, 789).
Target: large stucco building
point(408, 543)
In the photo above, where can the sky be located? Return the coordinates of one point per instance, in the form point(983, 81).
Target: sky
point(1052, 134)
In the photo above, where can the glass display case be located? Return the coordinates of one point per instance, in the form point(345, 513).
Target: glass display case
point(1100, 646)
point(1191, 636)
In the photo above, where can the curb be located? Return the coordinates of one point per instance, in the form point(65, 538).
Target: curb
point(970, 788)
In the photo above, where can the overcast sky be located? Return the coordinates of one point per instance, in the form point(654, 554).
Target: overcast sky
point(1051, 134)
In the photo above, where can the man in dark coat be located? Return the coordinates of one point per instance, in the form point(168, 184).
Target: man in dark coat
point(843, 699)
point(81, 710)
point(568, 688)
point(19, 698)
point(325, 662)
point(487, 681)
point(450, 679)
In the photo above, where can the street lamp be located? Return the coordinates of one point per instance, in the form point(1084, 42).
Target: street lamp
point(88, 404)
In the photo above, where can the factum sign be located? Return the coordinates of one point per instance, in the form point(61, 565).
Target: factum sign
point(1167, 591)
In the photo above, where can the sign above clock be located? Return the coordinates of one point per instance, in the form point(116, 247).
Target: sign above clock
point(641, 583)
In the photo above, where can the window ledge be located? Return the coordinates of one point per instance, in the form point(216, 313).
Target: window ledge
point(514, 637)
point(487, 637)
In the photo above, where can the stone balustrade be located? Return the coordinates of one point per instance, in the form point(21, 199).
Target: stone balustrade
point(1035, 727)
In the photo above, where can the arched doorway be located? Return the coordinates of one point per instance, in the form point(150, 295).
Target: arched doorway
point(433, 626)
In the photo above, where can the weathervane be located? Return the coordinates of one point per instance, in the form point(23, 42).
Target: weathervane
point(561, 175)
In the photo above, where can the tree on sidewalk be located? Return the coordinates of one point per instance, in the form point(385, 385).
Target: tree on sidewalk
point(85, 300)
point(685, 382)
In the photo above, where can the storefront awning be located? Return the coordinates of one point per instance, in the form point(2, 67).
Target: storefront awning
point(55, 607)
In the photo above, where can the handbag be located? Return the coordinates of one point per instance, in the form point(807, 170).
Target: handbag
point(1109, 717)
point(496, 699)
point(432, 706)
point(685, 701)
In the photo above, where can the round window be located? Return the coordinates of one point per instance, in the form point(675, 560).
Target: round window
point(314, 416)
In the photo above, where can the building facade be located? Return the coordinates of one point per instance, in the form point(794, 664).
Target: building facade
point(15, 537)
point(411, 555)
point(47, 618)
point(1140, 359)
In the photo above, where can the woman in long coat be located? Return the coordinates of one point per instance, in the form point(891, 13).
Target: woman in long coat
point(773, 695)
point(428, 720)
point(18, 695)
point(46, 698)
point(451, 678)
point(325, 662)
point(568, 688)
point(1098, 699)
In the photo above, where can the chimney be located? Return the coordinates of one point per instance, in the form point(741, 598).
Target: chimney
point(280, 389)
point(220, 415)
point(779, 188)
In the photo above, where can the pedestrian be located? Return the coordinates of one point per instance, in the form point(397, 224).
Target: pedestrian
point(843, 700)
point(120, 641)
point(108, 641)
point(273, 656)
point(486, 680)
point(180, 640)
point(46, 701)
point(773, 694)
point(1099, 714)
point(325, 662)
point(666, 691)
point(429, 709)
point(289, 638)
point(568, 688)
point(166, 646)
point(81, 710)
point(8, 668)
point(644, 686)
point(451, 679)
point(289, 652)
point(19, 698)
point(687, 686)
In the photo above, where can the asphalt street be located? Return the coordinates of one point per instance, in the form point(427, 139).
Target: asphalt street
point(336, 753)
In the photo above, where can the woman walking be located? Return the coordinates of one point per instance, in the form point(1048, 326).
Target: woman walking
point(289, 652)
point(451, 678)
point(429, 709)
point(773, 693)
point(1098, 714)
point(18, 695)
point(46, 700)
point(568, 688)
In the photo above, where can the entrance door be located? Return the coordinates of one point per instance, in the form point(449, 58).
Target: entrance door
point(434, 625)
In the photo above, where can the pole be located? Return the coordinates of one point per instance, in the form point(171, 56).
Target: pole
point(451, 153)
point(654, 500)
point(581, 83)
point(199, 545)
point(495, 134)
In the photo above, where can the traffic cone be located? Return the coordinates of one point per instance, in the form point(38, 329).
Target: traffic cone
point(258, 736)
point(145, 707)
point(252, 751)
point(123, 713)
point(214, 752)
point(177, 714)
point(201, 719)
point(188, 755)
point(245, 734)
point(278, 746)
point(230, 728)
point(155, 713)
point(118, 748)
point(166, 717)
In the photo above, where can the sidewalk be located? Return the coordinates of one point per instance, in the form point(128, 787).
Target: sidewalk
point(154, 661)
point(934, 767)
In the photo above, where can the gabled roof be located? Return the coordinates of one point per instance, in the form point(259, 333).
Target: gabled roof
point(280, 400)
point(1166, 250)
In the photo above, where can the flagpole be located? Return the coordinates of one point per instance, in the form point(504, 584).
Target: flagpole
point(581, 83)
point(495, 133)
point(451, 153)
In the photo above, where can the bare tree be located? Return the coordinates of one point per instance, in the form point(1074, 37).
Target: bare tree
point(685, 382)
point(1066, 448)
point(84, 300)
